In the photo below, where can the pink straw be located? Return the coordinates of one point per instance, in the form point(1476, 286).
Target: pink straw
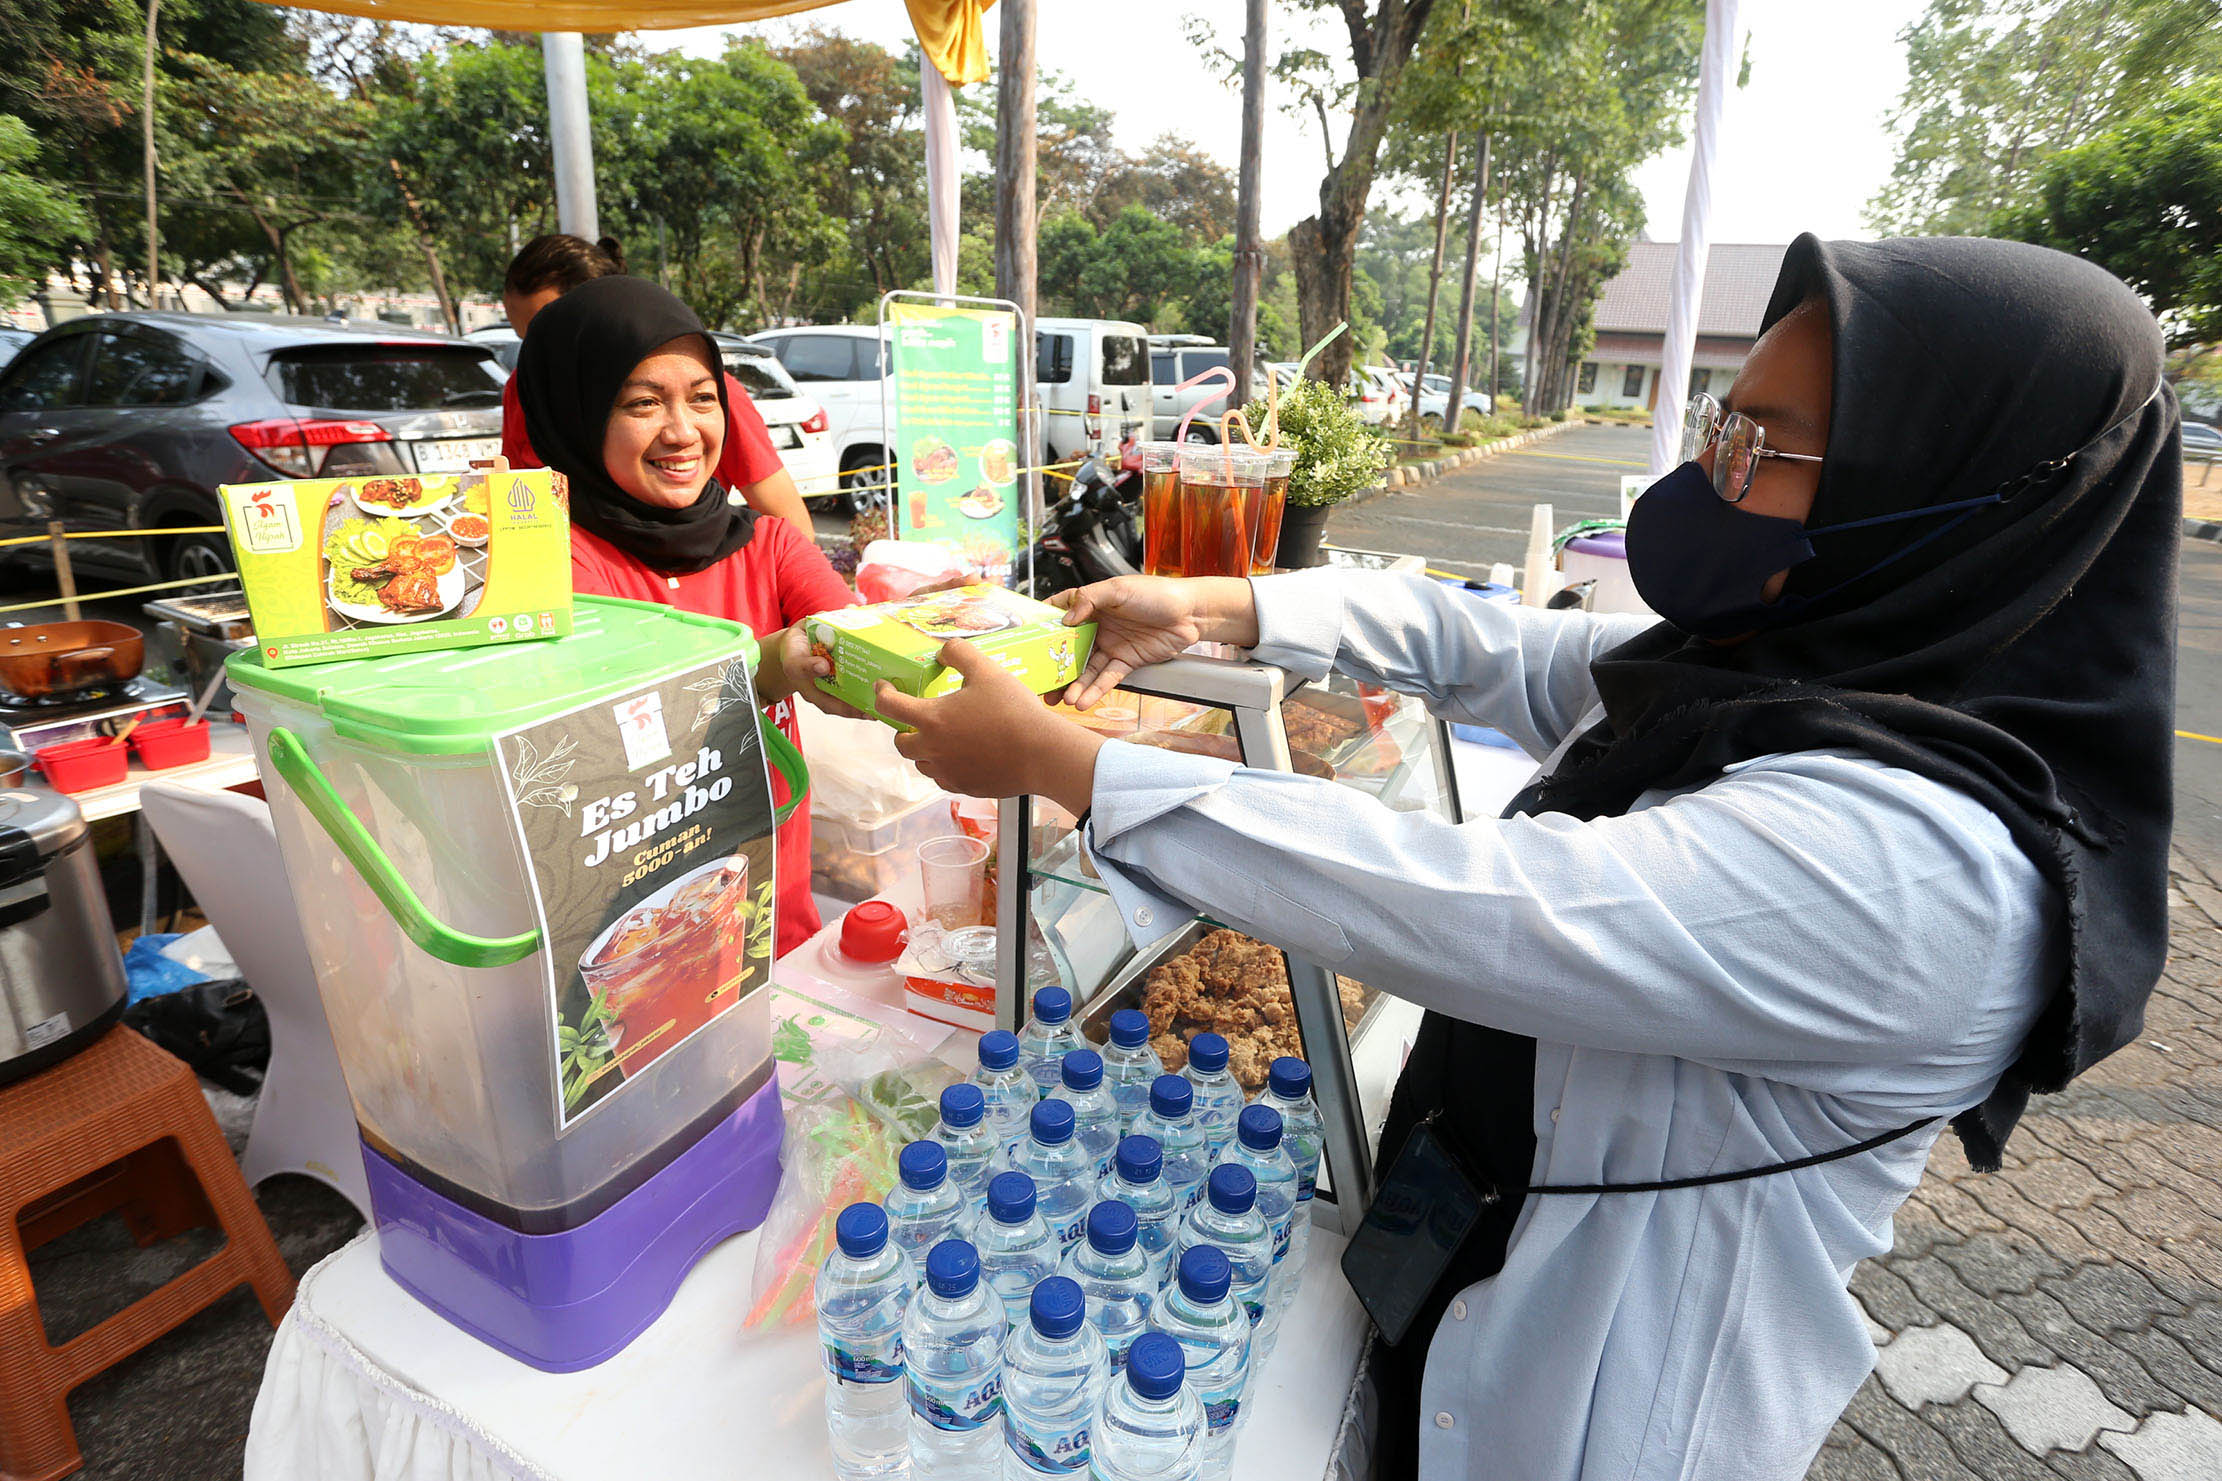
point(1220, 373)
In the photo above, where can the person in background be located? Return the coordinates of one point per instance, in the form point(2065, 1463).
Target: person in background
point(545, 269)
point(619, 386)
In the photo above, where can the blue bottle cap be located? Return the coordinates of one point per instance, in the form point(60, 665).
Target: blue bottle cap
point(861, 1230)
point(1155, 1365)
point(1010, 1197)
point(922, 1165)
point(963, 1105)
point(1057, 1306)
point(1208, 1053)
point(1233, 1189)
point(998, 1049)
point(1053, 1005)
point(1171, 1096)
point(952, 1268)
point(1082, 1069)
point(1259, 1127)
point(1111, 1227)
point(1130, 1028)
point(1205, 1274)
point(1289, 1077)
point(1140, 1159)
point(1051, 1121)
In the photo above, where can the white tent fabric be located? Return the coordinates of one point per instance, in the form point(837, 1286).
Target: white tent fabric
point(941, 175)
point(1716, 74)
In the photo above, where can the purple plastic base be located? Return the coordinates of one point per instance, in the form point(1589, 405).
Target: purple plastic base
point(562, 1302)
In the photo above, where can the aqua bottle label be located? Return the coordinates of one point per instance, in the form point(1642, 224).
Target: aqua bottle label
point(1222, 1407)
point(1047, 1451)
point(958, 1408)
point(883, 1365)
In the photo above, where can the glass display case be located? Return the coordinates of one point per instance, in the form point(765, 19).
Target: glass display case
point(1266, 1002)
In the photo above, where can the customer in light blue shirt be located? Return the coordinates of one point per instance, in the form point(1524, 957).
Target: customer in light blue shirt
point(1869, 834)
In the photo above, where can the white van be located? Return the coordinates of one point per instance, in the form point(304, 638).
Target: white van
point(1093, 378)
point(840, 366)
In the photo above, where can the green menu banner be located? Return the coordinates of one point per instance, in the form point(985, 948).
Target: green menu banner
point(956, 423)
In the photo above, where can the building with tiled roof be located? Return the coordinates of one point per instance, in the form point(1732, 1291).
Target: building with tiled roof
point(1622, 369)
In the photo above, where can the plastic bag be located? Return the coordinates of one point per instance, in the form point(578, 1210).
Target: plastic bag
point(890, 569)
point(838, 1153)
point(856, 776)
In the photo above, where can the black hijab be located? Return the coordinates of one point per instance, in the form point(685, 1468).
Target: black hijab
point(576, 356)
point(2025, 657)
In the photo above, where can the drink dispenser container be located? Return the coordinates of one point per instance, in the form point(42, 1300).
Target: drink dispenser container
point(555, 1243)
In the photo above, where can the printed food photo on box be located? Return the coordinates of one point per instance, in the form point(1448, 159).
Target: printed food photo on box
point(338, 568)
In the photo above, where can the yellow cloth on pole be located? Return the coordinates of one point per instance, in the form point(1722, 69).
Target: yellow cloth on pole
point(952, 33)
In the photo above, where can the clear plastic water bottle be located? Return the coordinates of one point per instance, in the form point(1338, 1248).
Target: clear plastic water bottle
point(1137, 1180)
point(1063, 1171)
point(1229, 1221)
point(1016, 1248)
point(1171, 1123)
point(1055, 1372)
point(968, 1142)
point(1153, 1426)
point(1218, 1093)
point(953, 1356)
point(862, 1292)
point(1257, 1146)
point(1115, 1276)
point(1049, 1035)
point(1288, 1089)
point(1130, 1065)
point(924, 1207)
point(1008, 1090)
point(1199, 1311)
point(1095, 1115)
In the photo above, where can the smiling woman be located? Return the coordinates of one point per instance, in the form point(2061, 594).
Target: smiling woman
point(620, 391)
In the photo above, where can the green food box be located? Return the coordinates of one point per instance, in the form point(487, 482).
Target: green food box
point(900, 642)
point(340, 568)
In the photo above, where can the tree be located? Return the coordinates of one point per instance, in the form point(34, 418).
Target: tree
point(2142, 199)
point(1175, 182)
point(871, 94)
point(1994, 87)
point(36, 219)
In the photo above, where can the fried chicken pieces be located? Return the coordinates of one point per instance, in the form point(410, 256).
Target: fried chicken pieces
point(1237, 987)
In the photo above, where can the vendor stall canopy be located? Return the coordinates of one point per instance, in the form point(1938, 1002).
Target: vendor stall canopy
point(952, 33)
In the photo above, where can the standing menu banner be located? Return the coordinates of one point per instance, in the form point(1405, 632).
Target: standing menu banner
point(956, 419)
point(645, 823)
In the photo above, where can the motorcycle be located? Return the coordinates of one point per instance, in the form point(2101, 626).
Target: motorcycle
point(1095, 531)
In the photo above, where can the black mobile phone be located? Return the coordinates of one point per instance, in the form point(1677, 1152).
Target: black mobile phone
point(1427, 1205)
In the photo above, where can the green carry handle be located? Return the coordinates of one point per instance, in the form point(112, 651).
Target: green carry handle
point(346, 830)
point(419, 924)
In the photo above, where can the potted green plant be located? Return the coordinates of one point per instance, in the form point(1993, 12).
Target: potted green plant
point(1336, 456)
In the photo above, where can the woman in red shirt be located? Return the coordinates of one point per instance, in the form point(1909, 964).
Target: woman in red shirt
point(620, 391)
point(552, 265)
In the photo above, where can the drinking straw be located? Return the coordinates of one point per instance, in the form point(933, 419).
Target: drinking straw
point(1218, 373)
point(1272, 403)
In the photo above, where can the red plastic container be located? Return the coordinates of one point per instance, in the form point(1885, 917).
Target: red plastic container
point(80, 766)
point(166, 743)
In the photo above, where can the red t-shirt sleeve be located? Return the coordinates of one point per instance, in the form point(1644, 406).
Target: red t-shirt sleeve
point(748, 457)
point(804, 581)
point(515, 445)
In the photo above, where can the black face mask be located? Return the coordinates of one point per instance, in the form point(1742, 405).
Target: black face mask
point(1702, 563)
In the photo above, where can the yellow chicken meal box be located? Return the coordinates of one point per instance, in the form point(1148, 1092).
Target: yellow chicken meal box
point(357, 567)
point(900, 642)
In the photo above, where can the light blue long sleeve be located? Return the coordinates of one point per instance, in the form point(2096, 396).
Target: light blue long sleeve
point(1800, 953)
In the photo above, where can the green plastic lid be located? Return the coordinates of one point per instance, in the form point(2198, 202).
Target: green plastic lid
point(454, 701)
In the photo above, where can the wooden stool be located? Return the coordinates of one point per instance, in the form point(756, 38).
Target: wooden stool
point(120, 1126)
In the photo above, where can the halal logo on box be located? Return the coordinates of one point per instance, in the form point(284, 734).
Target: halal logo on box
point(520, 496)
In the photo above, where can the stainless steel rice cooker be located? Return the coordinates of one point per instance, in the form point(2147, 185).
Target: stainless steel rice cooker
point(61, 977)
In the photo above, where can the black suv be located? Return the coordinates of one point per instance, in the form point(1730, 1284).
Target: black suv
point(130, 421)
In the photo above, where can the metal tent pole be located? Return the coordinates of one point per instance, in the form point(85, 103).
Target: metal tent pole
point(563, 53)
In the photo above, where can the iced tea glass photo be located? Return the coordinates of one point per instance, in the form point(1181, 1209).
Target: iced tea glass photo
point(1279, 465)
point(1222, 491)
point(1161, 508)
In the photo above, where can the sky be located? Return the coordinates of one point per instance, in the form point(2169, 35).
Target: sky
point(1802, 147)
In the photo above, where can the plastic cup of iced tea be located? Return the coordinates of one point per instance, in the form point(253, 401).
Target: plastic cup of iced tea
point(1222, 493)
point(1280, 463)
point(1161, 508)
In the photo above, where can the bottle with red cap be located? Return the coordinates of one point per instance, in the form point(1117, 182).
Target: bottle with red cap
point(862, 954)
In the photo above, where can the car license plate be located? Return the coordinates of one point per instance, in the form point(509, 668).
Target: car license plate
point(785, 436)
point(454, 454)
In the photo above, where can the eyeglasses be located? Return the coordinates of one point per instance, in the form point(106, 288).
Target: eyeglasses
point(1743, 442)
